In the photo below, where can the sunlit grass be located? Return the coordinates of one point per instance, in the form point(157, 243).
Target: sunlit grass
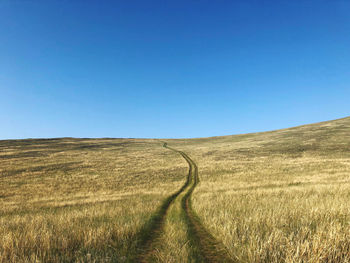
point(80, 200)
point(278, 196)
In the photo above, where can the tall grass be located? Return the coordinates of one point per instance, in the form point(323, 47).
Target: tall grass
point(278, 196)
point(76, 200)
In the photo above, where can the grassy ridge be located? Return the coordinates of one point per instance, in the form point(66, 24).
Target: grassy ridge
point(278, 196)
point(68, 200)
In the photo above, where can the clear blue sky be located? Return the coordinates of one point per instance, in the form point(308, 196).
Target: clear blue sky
point(171, 68)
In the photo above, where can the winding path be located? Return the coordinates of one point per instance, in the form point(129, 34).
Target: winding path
point(204, 247)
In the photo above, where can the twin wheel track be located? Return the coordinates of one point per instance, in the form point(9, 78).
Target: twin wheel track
point(204, 247)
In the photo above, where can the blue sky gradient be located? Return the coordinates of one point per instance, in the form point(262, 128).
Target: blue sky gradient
point(161, 69)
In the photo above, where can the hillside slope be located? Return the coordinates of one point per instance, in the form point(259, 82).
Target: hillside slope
point(279, 196)
point(80, 200)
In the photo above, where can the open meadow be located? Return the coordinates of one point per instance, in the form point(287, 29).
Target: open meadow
point(80, 200)
point(279, 196)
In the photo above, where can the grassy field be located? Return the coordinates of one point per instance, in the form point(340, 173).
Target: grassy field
point(280, 196)
point(80, 200)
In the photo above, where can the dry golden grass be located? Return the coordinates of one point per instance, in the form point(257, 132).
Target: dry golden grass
point(174, 246)
point(80, 200)
point(278, 196)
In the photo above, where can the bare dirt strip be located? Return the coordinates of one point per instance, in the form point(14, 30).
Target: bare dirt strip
point(204, 247)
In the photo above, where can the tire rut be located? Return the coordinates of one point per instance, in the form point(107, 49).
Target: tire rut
point(152, 230)
point(204, 247)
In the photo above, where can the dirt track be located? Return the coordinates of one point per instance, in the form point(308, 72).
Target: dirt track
point(204, 247)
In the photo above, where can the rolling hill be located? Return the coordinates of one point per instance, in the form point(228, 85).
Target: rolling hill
point(279, 196)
